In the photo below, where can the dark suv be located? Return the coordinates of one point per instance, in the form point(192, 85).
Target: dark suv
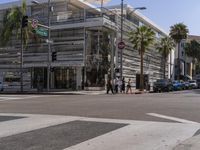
point(162, 85)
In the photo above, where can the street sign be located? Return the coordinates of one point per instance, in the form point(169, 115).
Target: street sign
point(121, 45)
point(34, 23)
point(41, 32)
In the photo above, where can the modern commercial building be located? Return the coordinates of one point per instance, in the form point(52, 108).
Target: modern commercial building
point(84, 47)
point(190, 68)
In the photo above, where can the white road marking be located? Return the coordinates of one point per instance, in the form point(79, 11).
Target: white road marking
point(172, 118)
point(137, 135)
point(16, 97)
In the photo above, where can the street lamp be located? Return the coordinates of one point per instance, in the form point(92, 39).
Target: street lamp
point(49, 39)
point(122, 20)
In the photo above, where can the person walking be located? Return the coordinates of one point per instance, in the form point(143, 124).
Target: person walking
point(109, 86)
point(129, 87)
point(123, 86)
point(116, 85)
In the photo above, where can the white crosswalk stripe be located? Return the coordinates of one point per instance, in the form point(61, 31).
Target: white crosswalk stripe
point(137, 135)
point(16, 97)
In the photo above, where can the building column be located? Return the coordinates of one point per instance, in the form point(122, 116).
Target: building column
point(78, 77)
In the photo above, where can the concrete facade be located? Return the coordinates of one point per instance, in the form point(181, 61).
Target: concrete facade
point(85, 41)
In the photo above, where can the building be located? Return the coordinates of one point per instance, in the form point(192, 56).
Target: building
point(84, 47)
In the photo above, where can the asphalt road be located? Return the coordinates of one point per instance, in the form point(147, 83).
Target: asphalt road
point(183, 104)
point(158, 121)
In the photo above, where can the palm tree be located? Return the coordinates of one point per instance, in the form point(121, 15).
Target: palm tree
point(164, 47)
point(142, 38)
point(178, 32)
point(12, 26)
point(192, 49)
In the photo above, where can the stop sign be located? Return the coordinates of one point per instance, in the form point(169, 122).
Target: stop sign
point(121, 45)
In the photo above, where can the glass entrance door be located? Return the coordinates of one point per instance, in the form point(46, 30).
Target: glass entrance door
point(65, 78)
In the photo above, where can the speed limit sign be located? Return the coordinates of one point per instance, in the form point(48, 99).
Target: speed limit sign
point(34, 23)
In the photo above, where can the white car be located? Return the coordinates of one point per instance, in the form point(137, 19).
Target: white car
point(193, 84)
point(1, 86)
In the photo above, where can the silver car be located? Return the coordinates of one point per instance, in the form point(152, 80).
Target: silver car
point(193, 84)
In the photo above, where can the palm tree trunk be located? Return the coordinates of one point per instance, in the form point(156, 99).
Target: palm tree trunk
point(164, 67)
point(178, 62)
point(170, 65)
point(141, 71)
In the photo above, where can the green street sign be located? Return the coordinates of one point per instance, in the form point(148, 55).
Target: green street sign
point(41, 32)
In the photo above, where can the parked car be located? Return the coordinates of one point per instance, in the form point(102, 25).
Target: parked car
point(193, 84)
point(177, 85)
point(162, 85)
point(198, 83)
point(1, 86)
point(187, 85)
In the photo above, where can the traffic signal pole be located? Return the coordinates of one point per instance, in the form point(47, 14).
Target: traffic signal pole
point(49, 47)
point(21, 60)
point(24, 24)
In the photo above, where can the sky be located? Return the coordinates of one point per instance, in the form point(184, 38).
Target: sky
point(166, 13)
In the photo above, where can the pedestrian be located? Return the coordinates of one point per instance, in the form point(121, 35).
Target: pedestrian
point(122, 85)
point(109, 86)
point(129, 87)
point(116, 85)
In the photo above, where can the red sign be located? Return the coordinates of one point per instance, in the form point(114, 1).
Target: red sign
point(121, 45)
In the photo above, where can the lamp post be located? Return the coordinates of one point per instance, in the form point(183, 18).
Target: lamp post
point(49, 39)
point(121, 39)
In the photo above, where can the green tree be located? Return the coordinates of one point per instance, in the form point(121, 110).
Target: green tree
point(142, 38)
point(12, 25)
point(192, 49)
point(165, 47)
point(178, 32)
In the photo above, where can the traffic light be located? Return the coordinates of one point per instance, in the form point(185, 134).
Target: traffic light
point(54, 56)
point(24, 21)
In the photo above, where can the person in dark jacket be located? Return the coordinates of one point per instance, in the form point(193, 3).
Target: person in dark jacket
point(109, 86)
point(123, 86)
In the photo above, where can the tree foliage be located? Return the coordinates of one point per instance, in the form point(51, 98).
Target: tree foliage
point(12, 25)
point(178, 32)
point(165, 47)
point(142, 38)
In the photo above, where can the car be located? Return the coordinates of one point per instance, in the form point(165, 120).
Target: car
point(198, 83)
point(162, 85)
point(187, 85)
point(177, 85)
point(193, 84)
point(1, 86)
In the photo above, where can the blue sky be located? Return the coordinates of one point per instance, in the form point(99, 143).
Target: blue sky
point(167, 12)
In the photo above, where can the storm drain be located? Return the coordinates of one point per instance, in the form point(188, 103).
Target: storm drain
point(7, 118)
point(58, 137)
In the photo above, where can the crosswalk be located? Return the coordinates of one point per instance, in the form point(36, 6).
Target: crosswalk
point(16, 97)
point(131, 135)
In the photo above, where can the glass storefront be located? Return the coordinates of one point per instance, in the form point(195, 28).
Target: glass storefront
point(61, 78)
point(65, 78)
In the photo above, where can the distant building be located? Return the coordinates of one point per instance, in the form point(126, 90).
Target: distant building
point(85, 47)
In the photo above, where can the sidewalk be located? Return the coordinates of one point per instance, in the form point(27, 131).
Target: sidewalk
point(190, 144)
point(66, 92)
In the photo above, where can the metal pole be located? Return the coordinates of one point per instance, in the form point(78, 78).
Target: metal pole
point(21, 61)
point(121, 53)
point(49, 47)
